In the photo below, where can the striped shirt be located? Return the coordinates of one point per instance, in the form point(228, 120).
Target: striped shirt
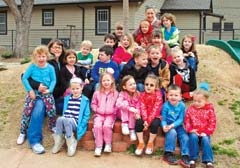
point(73, 108)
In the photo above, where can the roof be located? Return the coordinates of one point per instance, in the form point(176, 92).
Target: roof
point(200, 5)
point(57, 2)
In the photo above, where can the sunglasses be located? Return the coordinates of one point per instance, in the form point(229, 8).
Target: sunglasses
point(149, 84)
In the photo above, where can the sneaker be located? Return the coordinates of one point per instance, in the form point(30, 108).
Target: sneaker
point(192, 164)
point(209, 165)
point(139, 149)
point(21, 139)
point(108, 148)
point(133, 136)
point(184, 161)
point(38, 148)
point(97, 152)
point(125, 129)
point(149, 149)
point(170, 158)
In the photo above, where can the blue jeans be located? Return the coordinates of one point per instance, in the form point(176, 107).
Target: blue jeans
point(65, 125)
point(170, 140)
point(34, 132)
point(207, 153)
point(140, 87)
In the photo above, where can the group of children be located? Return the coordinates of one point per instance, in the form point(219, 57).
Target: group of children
point(138, 80)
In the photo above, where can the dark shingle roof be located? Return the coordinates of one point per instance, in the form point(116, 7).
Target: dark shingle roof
point(52, 2)
point(205, 5)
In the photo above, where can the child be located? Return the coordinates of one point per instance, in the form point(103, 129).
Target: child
point(128, 104)
point(182, 74)
point(150, 108)
point(189, 50)
point(173, 112)
point(143, 38)
point(85, 58)
point(138, 68)
point(124, 51)
point(159, 66)
point(44, 73)
point(104, 63)
point(200, 123)
point(169, 30)
point(76, 113)
point(103, 106)
point(157, 39)
point(70, 70)
point(118, 32)
point(110, 40)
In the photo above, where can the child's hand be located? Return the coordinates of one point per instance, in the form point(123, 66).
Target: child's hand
point(165, 128)
point(133, 110)
point(46, 92)
point(145, 125)
point(203, 134)
point(32, 95)
point(190, 54)
point(86, 81)
point(137, 116)
point(42, 88)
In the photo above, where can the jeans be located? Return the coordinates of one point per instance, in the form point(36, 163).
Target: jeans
point(170, 140)
point(65, 125)
point(34, 132)
point(140, 87)
point(207, 153)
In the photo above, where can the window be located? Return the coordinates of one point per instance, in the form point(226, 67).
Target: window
point(228, 26)
point(47, 17)
point(102, 19)
point(216, 26)
point(3, 23)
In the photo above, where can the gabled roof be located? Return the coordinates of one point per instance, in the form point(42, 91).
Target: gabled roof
point(57, 2)
point(200, 5)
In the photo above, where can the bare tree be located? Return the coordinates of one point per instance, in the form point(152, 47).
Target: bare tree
point(125, 15)
point(22, 14)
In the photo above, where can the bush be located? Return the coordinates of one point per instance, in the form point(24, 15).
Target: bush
point(7, 54)
point(25, 60)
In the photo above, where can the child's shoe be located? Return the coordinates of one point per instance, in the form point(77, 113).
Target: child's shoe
point(133, 136)
point(58, 142)
point(125, 129)
point(98, 152)
point(21, 139)
point(184, 161)
point(192, 164)
point(72, 145)
point(38, 148)
point(139, 149)
point(149, 149)
point(209, 165)
point(170, 158)
point(108, 148)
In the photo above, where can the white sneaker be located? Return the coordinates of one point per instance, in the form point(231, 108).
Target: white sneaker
point(97, 152)
point(125, 129)
point(38, 148)
point(21, 139)
point(133, 136)
point(108, 148)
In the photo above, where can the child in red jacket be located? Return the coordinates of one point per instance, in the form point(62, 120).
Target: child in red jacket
point(200, 123)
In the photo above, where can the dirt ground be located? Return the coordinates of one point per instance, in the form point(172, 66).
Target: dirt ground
point(215, 67)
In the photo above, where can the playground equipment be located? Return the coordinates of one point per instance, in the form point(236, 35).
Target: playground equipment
point(232, 47)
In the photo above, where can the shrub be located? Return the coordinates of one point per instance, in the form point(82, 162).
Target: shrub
point(7, 54)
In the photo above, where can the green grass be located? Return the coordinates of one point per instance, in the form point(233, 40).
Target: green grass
point(225, 148)
point(235, 108)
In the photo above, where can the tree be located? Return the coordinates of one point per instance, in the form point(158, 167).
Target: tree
point(22, 14)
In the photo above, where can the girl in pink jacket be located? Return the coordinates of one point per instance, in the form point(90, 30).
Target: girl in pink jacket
point(128, 105)
point(103, 105)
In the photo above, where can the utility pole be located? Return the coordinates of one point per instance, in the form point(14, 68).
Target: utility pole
point(125, 15)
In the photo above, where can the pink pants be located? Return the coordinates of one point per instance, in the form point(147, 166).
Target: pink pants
point(128, 118)
point(103, 129)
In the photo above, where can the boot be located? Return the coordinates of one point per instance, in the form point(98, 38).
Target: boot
point(72, 145)
point(58, 142)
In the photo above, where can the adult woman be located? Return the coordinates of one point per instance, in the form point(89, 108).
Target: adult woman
point(150, 16)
